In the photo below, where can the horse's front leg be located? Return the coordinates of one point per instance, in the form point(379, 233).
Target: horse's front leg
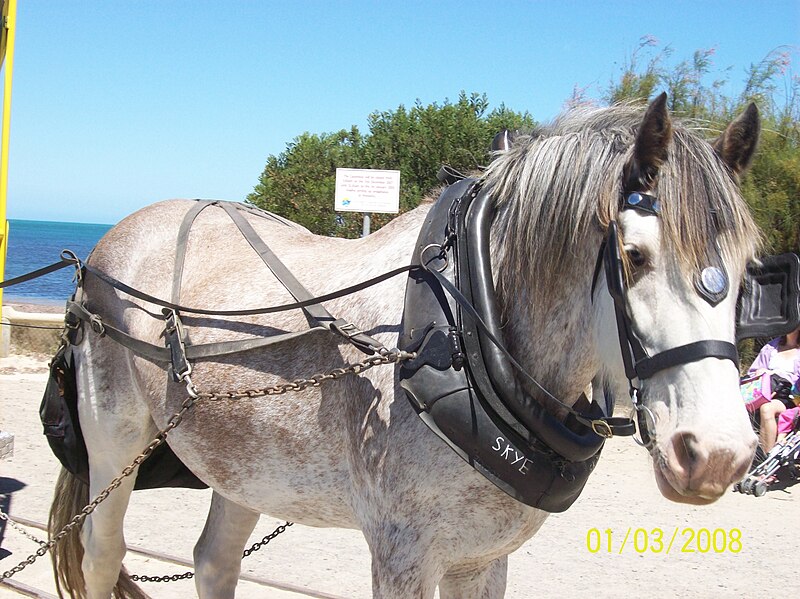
point(218, 553)
point(484, 581)
point(404, 564)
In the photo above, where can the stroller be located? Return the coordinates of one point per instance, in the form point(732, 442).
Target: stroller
point(781, 466)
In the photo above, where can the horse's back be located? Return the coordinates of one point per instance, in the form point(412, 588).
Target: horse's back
point(221, 269)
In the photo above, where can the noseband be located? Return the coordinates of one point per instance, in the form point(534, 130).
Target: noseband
point(639, 364)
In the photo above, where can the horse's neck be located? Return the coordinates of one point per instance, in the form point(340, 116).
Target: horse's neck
point(549, 332)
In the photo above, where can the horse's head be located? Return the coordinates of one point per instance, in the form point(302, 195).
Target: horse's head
point(684, 239)
point(677, 235)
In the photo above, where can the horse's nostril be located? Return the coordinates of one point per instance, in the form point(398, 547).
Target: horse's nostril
point(687, 442)
point(688, 457)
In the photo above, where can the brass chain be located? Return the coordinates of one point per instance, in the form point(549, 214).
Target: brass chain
point(385, 356)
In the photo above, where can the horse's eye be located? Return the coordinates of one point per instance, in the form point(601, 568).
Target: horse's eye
point(637, 258)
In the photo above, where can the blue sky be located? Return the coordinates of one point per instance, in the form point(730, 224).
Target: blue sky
point(120, 104)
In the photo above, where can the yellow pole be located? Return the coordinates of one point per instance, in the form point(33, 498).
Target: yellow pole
point(7, 36)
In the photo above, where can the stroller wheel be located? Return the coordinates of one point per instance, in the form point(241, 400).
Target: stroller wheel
point(737, 488)
point(760, 488)
point(747, 486)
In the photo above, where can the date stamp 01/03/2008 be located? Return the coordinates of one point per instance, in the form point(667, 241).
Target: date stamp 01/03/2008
point(659, 540)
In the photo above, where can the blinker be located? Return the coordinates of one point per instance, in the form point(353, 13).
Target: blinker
point(712, 284)
point(713, 279)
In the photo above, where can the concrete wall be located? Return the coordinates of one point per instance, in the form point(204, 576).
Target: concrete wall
point(29, 332)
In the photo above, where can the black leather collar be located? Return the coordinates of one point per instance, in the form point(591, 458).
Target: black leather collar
point(463, 383)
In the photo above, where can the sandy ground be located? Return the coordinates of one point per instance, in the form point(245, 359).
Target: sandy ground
point(621, 496)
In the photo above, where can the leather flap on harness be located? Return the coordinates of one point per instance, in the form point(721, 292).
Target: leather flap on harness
point(59, 415)
point(769, 302)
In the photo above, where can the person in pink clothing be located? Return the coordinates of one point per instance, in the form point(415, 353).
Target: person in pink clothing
point(788, 421)
point(779, 357)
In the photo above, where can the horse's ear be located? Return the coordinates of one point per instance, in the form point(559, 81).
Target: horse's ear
point(502, 141)
point(650, 148)
point(737, 144)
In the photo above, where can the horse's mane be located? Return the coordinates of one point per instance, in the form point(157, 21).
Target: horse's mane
point(561, 185)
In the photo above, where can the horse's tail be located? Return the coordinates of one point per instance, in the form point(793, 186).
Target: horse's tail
point(71, 496)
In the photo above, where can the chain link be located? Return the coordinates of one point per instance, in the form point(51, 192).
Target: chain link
point(166, 578)
point(18, 527)
point(265, 541)
point(385, 356)
point(189, 574)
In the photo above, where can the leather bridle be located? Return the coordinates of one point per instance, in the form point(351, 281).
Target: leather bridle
point(639, 364)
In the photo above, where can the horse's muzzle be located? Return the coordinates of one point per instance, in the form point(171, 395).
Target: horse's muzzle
point(690, 470)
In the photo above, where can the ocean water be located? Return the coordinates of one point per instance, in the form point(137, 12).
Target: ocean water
point(33, 244)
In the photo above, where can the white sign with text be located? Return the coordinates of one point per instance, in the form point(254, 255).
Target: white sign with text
point(367, 190)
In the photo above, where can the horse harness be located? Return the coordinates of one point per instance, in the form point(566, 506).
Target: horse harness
point(163, 468)
point(176, 351)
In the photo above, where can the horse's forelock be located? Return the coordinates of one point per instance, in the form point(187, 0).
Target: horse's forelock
point(703, 206)
point(558, 188)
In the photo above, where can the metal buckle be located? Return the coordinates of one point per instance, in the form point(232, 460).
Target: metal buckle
point(173, 340)
point(643, 409)
point(346, 329)
point(356, 336)
point(71, 322)
point(602, 429)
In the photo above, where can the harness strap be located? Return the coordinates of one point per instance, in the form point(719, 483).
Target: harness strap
point(133, 292)
point(177, 352)
point(157, 353)
point(181, 245)
point(691, 352)
point(314, 311)
point(174, 334)
point(63, 263)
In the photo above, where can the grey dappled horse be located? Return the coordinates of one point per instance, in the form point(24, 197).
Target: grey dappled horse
point(352, 453)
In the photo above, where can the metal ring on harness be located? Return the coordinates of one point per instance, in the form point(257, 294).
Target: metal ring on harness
point(70, 256)
point(97, 325)
point(642, 411)
point(442, 255)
